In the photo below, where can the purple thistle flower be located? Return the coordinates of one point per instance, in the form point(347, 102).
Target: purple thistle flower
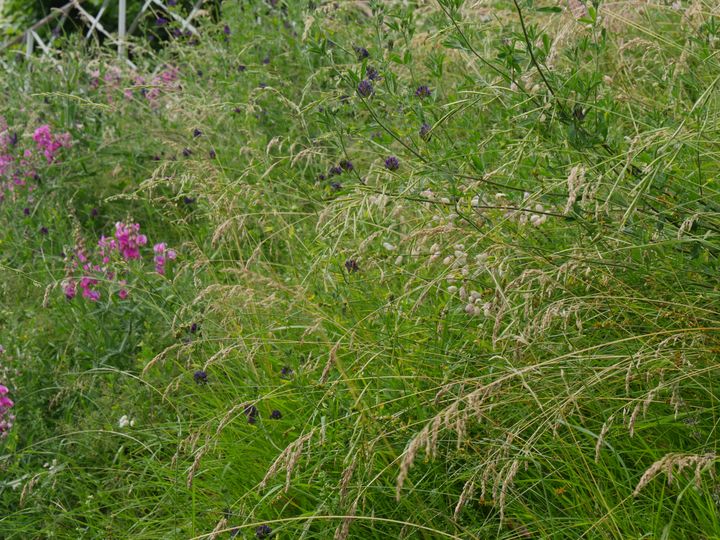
point(361, 52)
point(200, 377)
point(365, 88)
point(276, 415)
point(425, 132)
point(351, 266)
point(423, 91)
point(263, 531)
point(372, 73)
point(392, 163)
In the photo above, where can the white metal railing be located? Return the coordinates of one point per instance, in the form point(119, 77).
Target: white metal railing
point(119, 39)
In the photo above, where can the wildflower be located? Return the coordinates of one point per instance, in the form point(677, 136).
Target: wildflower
point(212, 154)
point(172, 3)
point(365, 88)
point(44, 231)
point(276, 415)
point(125, 422)
point(286, 371)
point(197, 133)
point(266, 60)
point(226, 30)
point(123, 294)
point(26, 211)
point(351, 265)
point(335, 171)
point(162, 255)
point(194, 327)
point(321, 177)
point(94, 212)
point(241, 68)
point(200, 376)
point(337, 186)
point(6, 419)
point(346, 165)
point(188, 200)
point(392, 163)
point(128, 241)
point(372, 73)
point(161, 21)
point(388, 246)
point(361, 52)
point(251, 412)
point(425, 132)
point(423, 91)
point(263, 531)
point(186, 152)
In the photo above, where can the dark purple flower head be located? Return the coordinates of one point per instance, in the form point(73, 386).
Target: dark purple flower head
point(172, 3)
point(346, 165)
point(200, 376)
point(94, 212)
point(423, 91)
point(237, 110)
point(212, 154)
point(196, 132)
point(321, 177)
point(226, 30)
point(335, 171)
point(365, 88)
point(276, 415)
point(44, 230)
point(177, 32)
point(200, 73)
point(13, 139)
point(194, 327)
point(251, 412)
point(241, 68)
point(187, 152)
point(286, 371)
point(266, 60)
point(361, 52)
point(188, 200)
point(161, 21)
point(392, 163)
point(351, 265)
point(26, 211)
point(263, 531)
point(425, 132)
point(337, 186)
point(262, 85)
point(372, 73)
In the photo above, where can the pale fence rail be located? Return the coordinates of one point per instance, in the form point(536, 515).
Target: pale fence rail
point(31, 37)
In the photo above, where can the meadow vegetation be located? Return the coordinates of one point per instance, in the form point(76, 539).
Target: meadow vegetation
point(366, 269)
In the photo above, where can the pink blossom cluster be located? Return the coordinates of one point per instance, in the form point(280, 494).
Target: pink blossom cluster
point(19, 166)
point(124, 247)
point(113, 80)
point(162, 255)
point(50, 144)
point(6, 418)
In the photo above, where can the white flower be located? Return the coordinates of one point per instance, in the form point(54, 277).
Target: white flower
point(399, 260)
point(452, 289)
point(125, 421)
point(388, 246)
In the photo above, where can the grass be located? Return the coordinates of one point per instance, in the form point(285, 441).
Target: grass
point(499, 339)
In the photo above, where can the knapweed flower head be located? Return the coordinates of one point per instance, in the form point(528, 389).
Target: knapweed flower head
point(372, 73)
point(251, 412)
point(361, 52)
point(276, 415)
point(392, 163)
point(263, 531)
point(200, 376)
point(346, 165)
point(286, 371)
point(351, 266)
point(365, 88)
point(423, 91)
point(425, 132)
point(335, 171)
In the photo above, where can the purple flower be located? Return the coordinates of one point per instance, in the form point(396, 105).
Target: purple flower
point(161, 21)
point(196, 132)
point(26, 211)
point(226, 30)
point(44, 231)
point(276, 415)
point(321, 177)
point(241, 68)
point(346, 165)
point(187, 152)
point(251, 412)
point(200, 376)
point(13, 140)
point(263, 531)
point(286, 371)
point(361, 52)
point(365, 88)
point(372, 73)
point(392, 163)
point(425, 132)
point(351, 265)
point(337, 186)
point(212, 154)
point(188, 200)
point(172, 3)
point(194, 327)
point(335, 171)
point(423, 91)
point(266, 60)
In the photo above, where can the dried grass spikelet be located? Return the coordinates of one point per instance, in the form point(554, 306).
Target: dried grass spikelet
point(195, 466)
point(575, 182)
point(287, 460)
point(601, 438)
point(332, 358)
point(343, 531)
point(219, 529)
point(701, 462)
point(465, 496)
point(508, 479)
point(346, 477)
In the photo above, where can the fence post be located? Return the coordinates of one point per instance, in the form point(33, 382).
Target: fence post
point(29, 44)
point(121, 28)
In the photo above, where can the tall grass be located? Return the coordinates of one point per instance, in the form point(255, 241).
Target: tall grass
point(513, 334)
